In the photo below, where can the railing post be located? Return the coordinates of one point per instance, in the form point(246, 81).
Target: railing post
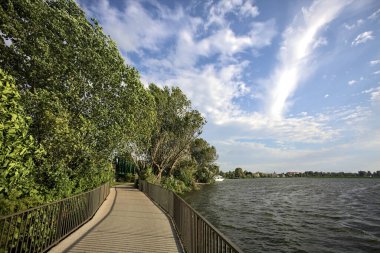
point(196, 233)
point(59, 222)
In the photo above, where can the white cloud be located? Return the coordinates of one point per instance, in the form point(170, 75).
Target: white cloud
point(249, 9)
point(265, 158)
point(352, 82)
point(352, 116)
point(219, 10)
point(326, 96)
point(368, 91)
point(374, 15)
point(128, 26)
point(224, 41)
point(375, 94)
point(374, 62)
point(376, 72)
point(358, 23)
point(362, 38)
point(211, 89)
point(349, 27)
point(297, 48)
point(260, 146)
point(320, 42)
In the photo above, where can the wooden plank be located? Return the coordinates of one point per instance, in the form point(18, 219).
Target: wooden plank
point(133, 224)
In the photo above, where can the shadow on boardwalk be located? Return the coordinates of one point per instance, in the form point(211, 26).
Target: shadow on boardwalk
point(133, 223)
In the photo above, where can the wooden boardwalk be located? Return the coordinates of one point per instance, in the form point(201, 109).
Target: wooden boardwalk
point(128, 221)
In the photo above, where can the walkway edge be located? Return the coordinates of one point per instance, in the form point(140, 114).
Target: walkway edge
point(102, 212)
point(171, 222)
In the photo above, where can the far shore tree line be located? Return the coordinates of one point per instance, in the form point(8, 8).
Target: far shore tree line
point(70, 105)
point(240, 173)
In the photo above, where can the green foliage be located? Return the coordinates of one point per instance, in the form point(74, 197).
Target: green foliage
point(173, 184)
point(205, 156)
point(18, 151)
point(186, 173)
point(85, 105)
point(149, 176)
point(177, 126)
point(239, 173)
point(202, 152)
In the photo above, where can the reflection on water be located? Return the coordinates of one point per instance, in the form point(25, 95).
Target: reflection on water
point(295, 215)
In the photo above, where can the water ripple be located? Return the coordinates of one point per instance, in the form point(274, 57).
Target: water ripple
point(295, 215)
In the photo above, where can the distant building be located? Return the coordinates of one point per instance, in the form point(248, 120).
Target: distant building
point(293, 173)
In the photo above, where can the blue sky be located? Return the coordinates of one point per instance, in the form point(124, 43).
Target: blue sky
point(284, 85)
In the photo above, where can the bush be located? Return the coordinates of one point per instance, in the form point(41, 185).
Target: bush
point(186, 175)
point(18, 151)
point(174, 185)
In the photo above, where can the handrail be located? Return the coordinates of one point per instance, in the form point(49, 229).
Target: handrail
point(38, 229)
point(196, 233)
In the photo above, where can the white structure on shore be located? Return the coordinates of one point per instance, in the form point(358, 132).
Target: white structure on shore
point(218, 178)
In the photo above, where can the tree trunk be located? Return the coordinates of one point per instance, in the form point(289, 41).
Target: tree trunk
point(158, 178)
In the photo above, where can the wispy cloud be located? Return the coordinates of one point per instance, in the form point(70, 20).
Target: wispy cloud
point(338, 157)
point(297, 48)
point(264, 151)
point(352, 82)
point(320, 42)
point(374, 15)
point(374, 62)
point(358, 23)
point(376, 72)
point(375, 95)
point(362, 38)
point(128, 26)
point(222, 8)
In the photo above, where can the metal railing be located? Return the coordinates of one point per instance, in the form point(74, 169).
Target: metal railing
point(196, 233)
point(40, 228)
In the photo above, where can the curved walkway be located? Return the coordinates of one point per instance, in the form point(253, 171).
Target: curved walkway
point(128, 221)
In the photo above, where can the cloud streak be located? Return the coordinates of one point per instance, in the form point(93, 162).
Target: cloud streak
point(374, 15)
point(363, 38)
point(296, 50)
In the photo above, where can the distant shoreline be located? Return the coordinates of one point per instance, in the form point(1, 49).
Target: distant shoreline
point(240, 173)
point(299, 178)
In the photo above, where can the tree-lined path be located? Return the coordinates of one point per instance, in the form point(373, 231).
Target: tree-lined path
point(128, 221)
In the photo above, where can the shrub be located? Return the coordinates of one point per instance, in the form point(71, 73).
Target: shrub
point(174, 185)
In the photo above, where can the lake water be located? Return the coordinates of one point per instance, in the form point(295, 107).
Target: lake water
point(294, 214)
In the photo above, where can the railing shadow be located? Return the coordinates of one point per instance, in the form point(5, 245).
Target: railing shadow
point(96, 225)
point(195, 232)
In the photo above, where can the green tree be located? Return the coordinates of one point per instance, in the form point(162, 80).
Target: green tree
point(205, 155)
point(86, 105)
point(177, 126)
point(18, 151)
point(239, 173)
point(137, 118)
